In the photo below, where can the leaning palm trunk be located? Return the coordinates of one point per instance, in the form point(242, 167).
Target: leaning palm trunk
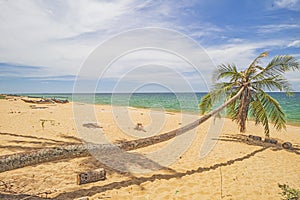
point(18, 160)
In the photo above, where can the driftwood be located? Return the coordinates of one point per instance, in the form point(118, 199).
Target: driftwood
point(91, 176)
point(42, 101)
point(60, 101)
point(18, 160)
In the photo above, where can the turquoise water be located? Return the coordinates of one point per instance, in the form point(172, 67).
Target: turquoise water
point(186, 102)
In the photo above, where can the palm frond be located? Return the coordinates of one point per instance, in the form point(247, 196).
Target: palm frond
point(253, 65)
point(283, 63)
point(232, 109)
point(264, 54)
point(265, 108)
point(272, 83)
point(275, 112)
point(206, 103)
point(259, 113)
point(278, 66)
point(219, 91)
point(225, 71)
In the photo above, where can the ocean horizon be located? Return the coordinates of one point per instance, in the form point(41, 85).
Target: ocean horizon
point(176, 102)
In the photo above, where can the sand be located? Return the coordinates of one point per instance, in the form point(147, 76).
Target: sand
point(234, 169)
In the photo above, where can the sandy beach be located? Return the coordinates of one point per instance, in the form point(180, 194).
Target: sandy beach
point(234, 169)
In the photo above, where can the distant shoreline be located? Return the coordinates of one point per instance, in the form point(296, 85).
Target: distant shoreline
point(142, 101)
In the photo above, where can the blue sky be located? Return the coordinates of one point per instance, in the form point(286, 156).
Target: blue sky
point(45, 43)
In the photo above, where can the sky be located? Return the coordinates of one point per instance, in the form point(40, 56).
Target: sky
point(46, 46)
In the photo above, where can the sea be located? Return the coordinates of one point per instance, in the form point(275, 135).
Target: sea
point(179, 102)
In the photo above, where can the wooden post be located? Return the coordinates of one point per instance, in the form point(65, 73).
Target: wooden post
point(91, 176)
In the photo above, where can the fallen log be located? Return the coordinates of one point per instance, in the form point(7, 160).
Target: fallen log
point(91, 176)
point(42, 101)
point(19, 160)
point(60, 101)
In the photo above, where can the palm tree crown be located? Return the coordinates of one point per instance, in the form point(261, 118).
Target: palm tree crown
point(250, 85)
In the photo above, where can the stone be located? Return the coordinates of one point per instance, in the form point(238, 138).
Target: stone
point(287, 145)
point(253, 137)
point(272, 141)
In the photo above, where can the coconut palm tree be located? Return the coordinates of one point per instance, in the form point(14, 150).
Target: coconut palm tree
point(246, 91)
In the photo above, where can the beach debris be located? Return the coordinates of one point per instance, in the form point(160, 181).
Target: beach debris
point(45, 101)
point(41, 101)
point(39, 107)
point(91, 125)
point(43, 121)
point(60, 101)
point(271, 141)
point(6, 187)
point(140, 127)
point(91, 176)
point(253, 137)
point(287, 145)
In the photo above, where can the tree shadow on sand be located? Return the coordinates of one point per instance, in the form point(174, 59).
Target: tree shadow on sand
point(30, 137)
point(113, 159)
point(246, 140)
point(39, 143)
point(139, 180)
point(19, 197)
point(129, 159)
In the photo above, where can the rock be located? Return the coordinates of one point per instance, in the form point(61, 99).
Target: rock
point(271, 141)
point(253, 137)
point(287, 145)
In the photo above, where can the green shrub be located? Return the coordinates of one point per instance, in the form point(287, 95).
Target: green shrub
point(289, 193)
point(2, 97)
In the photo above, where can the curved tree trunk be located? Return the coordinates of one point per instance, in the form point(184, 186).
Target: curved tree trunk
point(243, 110)
point(18, 160)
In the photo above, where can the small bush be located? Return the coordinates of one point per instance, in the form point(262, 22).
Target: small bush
point(2, 97)
point(289, 193)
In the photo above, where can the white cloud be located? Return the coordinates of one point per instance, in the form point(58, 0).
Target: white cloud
point(295, 43)
point(288, 4)
point(59, 35)
point(277, 27)
point(241, 54)
point(153, 49)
